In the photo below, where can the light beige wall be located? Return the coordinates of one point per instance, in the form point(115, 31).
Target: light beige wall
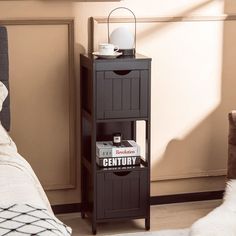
point(41, 91)
point(193, 71)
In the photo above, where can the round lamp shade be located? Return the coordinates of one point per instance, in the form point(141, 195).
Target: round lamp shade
point(122, 37)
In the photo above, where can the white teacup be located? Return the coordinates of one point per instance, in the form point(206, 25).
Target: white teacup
point(107, 49)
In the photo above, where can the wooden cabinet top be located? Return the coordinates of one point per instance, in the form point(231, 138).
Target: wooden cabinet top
point(120, 63)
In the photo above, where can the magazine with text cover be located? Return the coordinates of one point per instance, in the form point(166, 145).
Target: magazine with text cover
point(128, 148)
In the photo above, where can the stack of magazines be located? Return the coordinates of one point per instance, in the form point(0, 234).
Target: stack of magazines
point(127, 154)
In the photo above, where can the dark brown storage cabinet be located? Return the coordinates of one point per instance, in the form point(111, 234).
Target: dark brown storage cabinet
point(115, 94)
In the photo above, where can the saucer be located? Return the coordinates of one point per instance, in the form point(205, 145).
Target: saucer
point(114, 55)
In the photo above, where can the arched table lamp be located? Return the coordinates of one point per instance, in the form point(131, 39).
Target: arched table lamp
point(122, 37)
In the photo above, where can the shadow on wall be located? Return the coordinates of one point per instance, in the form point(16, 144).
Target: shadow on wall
point(200, 154)
point(212, 133)
point(206, 144)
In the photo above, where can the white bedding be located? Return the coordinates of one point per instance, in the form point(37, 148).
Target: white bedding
point(18, 183)
point(20, 189)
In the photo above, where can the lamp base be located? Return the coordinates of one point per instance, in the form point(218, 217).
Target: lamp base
point(128, 52)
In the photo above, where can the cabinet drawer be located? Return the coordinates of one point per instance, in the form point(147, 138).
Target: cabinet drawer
point(121, 194)
point(122, 94)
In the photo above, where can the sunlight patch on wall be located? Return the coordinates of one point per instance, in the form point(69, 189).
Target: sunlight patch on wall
point(186, 77)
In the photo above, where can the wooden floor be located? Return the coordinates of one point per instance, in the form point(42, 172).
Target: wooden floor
point(171, 216)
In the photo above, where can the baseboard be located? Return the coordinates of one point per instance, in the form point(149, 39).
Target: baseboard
point(66, 208)
point(154, 200)
point(187, 197)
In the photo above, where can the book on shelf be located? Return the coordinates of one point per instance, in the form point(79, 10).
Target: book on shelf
point(118, 161)
point(128, 148)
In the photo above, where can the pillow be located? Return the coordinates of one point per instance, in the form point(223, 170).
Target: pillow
point(4, 137)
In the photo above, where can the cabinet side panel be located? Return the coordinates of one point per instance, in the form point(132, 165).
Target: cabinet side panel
point(86, 139)
point(86, 89)
point(100, 195)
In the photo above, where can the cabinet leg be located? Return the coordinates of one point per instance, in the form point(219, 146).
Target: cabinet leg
point(82, 215)
point(147, 223)
point(94, 228)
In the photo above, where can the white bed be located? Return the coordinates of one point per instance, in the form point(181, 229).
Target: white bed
point(17, 178)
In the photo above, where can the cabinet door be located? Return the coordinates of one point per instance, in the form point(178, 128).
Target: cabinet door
point(122, 94)
point(121, 194)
